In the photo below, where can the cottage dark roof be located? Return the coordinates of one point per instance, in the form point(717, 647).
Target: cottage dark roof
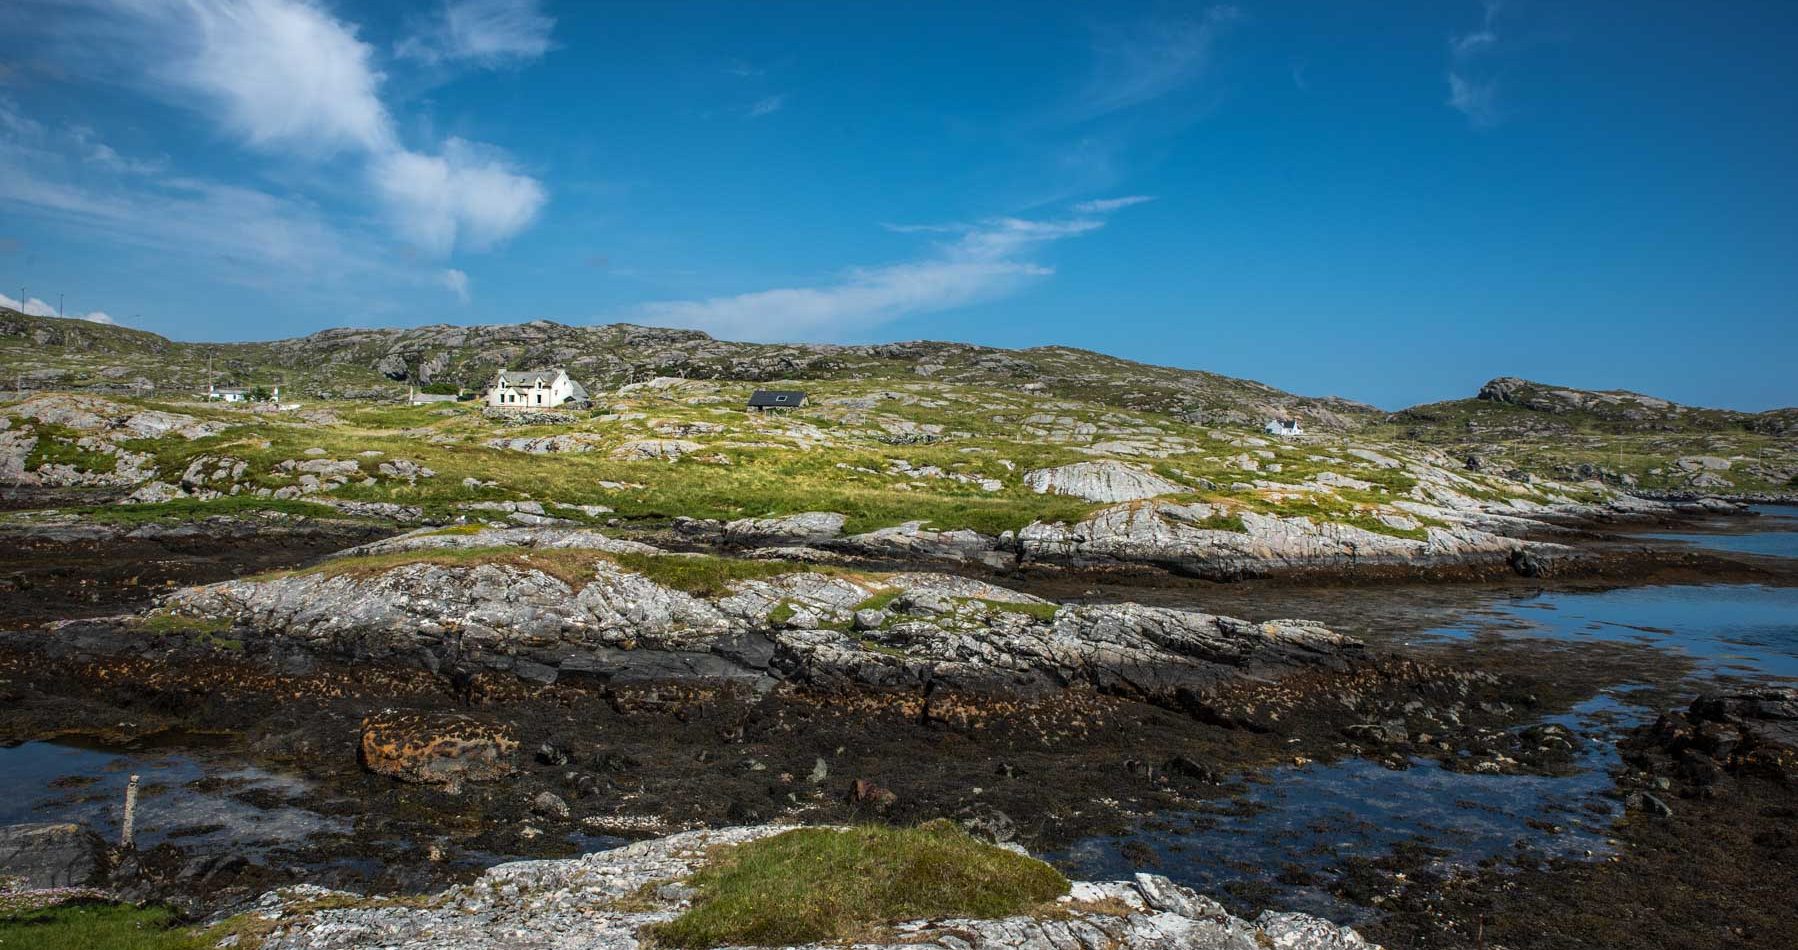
point(530, 377)
point(775, 398)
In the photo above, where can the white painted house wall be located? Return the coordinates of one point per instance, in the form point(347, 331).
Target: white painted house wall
point(541, 389)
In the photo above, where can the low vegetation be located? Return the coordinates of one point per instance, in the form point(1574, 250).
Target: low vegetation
point(98, 926)
point(701, 575)
point(821, 884)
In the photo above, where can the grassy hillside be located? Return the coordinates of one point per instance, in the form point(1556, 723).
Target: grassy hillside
point(966, 415)
point(351, 363)
point(881, 452)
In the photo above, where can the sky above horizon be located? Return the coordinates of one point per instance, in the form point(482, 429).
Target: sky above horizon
point(1388, 200)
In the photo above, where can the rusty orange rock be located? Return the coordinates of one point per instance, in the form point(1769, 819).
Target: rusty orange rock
point(436, 748)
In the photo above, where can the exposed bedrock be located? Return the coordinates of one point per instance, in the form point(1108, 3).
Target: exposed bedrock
point(566, 604)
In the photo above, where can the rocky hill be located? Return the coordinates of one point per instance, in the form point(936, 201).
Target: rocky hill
point(969, 401)
point(48, 353)
point(1624, 438)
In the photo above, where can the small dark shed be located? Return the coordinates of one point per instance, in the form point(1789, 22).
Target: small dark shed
point(764, 399)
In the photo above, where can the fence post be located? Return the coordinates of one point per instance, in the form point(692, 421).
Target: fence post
point(128, 834)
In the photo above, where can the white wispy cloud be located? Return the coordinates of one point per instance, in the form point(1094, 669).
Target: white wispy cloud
point(1103, 205)
point(986, 260)
point(290, 79)
point(457, 283)
point(1150, 59)
point(237, 235)
point(1472, 87)
point(38, 308)
point(767, 106)
point(279, 73)
point(483, 32)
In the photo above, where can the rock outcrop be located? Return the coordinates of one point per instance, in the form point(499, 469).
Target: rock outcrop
point(51, 854)
point(1188, 538)
point(582, 613)
point(1105, 481)
point(603, 900)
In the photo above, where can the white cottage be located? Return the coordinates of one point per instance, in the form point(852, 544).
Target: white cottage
point(1284, 427)
point(534, 389)
point(217, 393)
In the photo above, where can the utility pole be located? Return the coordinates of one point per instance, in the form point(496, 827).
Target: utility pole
point(59, 311)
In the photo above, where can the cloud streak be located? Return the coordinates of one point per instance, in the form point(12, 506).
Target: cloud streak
point(984, 261)
point(1106, 205)
point(482, 32)
point(1472, 87)
point(1149, 60)
point(767, 106)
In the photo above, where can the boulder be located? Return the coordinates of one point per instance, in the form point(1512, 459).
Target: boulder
point(808, 527)
point(649, 449)
point(436, 748)
point(51, 854)
point(1105, 481)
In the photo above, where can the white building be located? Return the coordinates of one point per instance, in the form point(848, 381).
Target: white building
point(1284, 427)
point(534, 389)
point(217, 393)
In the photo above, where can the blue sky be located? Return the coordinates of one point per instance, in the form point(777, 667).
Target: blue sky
point(1390, 201)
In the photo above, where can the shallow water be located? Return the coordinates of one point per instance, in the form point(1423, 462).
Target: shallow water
point(179, 799)
point(1311, 818)
point(1773, 534)
point(202, 802)
point(1286, 838)
point(1741, 630)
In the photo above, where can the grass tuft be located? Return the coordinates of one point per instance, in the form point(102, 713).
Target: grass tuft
point(821, 884)
point(96, 926)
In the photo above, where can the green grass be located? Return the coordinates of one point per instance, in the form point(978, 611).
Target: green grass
point(820, 884)
point(706, 576)
point(203, 630)
point(56, 446)
point(1043, 612)
point(880, 601)
point(698, 574)
point(86, 926)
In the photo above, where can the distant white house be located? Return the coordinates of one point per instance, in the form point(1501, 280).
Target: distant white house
point(217, 393)
point(1284, 427)
point(534, 389)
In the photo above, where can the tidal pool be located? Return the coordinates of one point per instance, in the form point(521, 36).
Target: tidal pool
point(179, 800)
point(1289, 834)
point(1294, 830)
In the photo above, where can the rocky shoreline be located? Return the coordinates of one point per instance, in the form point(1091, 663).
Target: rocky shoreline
point(605, 900)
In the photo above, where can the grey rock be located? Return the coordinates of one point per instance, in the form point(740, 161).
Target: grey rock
point(1103, 481)
point(564, 905)
point(623, 626)
point(51, 854)
point(648, 449)
point(550, 805)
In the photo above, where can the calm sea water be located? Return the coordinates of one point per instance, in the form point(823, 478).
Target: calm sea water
point(1774, 534)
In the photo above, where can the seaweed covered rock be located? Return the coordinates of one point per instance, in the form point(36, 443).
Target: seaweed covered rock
point(436, 748)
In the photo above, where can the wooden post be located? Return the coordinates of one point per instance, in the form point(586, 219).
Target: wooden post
point(128, 834)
